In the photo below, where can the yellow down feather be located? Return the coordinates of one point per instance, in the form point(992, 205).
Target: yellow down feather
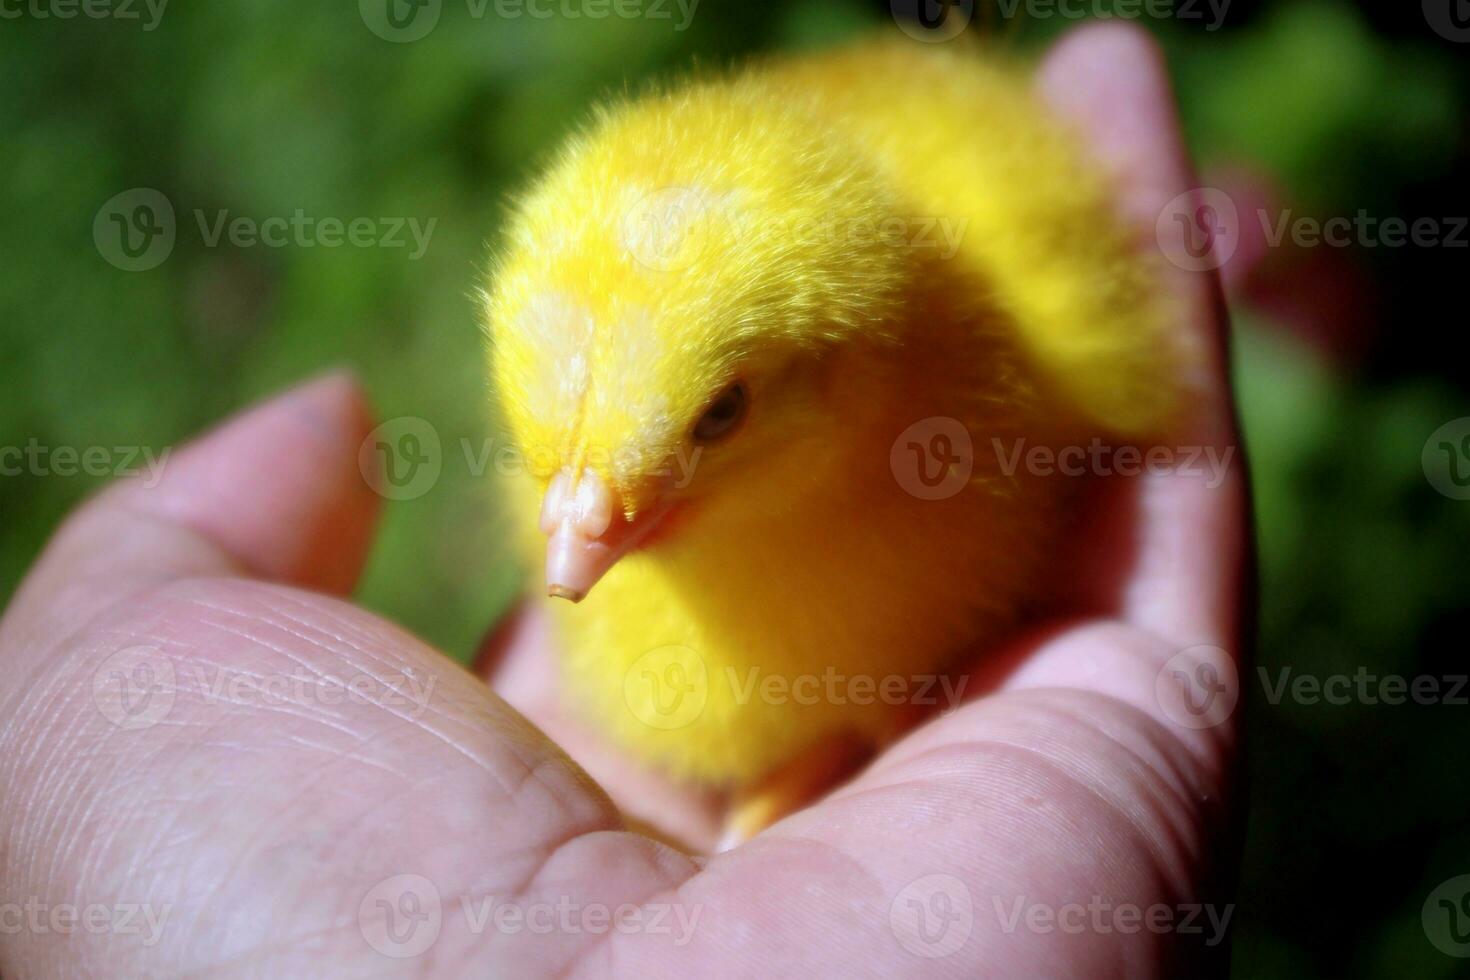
point(866, 239)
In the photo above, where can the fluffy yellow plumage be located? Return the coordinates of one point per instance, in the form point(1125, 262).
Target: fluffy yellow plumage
point(857, 241)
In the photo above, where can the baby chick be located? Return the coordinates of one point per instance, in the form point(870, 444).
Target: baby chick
point(768, 344)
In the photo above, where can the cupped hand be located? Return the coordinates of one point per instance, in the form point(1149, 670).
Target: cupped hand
point(211, 764)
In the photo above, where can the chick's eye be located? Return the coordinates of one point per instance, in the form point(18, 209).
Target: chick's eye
point(723, 415)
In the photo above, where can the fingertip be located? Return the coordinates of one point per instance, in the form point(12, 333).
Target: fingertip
point(279, 488)
point(1183, 539)
point(1106, 44)
point(1111, 80)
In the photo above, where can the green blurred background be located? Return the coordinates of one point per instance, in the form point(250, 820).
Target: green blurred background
point(1348, 358)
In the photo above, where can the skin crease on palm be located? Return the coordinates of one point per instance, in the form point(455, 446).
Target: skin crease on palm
point(263, 828)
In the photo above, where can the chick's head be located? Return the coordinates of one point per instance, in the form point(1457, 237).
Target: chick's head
point(666, 311)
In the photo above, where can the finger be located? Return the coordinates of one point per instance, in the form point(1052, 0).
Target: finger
point(243, 740)
point(520, 662)
point(1036, 801)
point(265, 769)
point(1168, 549)
point(275, 493)
point(1110, 81)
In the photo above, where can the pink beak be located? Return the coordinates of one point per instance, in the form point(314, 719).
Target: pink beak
point(586, 532)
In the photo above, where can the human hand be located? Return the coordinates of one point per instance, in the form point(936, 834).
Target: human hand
point(284, 784)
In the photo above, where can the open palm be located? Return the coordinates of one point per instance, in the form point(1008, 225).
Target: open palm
point(278, 783)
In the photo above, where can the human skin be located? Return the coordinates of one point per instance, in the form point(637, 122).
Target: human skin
point(268, 829)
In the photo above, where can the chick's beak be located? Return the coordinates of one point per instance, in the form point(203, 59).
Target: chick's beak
point(586, 532)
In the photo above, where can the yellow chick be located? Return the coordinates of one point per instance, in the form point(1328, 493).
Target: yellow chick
point(742, 332)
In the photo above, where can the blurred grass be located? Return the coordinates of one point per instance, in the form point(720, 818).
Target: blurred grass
point(268, 107)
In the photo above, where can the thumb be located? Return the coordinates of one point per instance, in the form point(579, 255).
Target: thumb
point(273, 493)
